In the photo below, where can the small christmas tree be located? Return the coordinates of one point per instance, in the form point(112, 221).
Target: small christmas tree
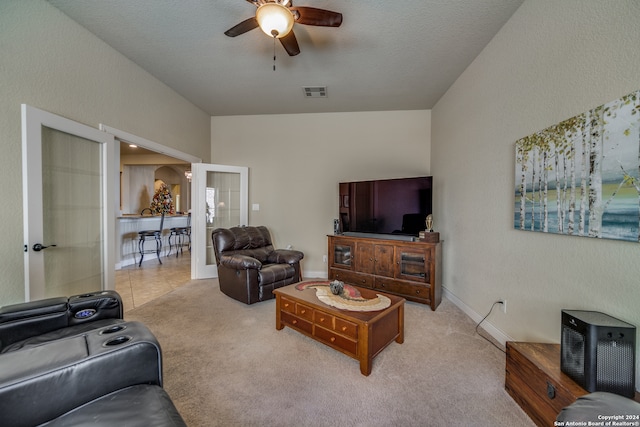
point(162, 202)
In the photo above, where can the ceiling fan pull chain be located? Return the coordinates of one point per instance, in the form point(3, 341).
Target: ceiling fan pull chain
point(274, 53)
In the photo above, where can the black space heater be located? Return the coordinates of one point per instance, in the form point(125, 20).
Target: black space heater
point(598, 352)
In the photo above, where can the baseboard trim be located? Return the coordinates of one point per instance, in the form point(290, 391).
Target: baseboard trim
point(496, 333)
point(315, 274)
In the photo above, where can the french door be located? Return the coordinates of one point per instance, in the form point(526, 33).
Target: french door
point(69, 204)
point(219, 199)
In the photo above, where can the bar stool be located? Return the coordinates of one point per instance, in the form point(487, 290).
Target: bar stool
point(179, 234)
point(147, 235)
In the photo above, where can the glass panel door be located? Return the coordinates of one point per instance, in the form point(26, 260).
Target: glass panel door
point(69, 174)
point(72, 214)
point(220, 200)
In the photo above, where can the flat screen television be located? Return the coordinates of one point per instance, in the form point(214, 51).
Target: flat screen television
point(387, 206)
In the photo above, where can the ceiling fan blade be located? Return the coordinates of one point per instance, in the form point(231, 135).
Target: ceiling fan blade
point(319, 17)
point(290, 44)
point(243, 27)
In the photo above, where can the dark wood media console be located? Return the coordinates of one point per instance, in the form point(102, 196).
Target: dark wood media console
point(412, 270)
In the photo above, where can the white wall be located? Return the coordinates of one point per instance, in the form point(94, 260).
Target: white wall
point(297, 160)
point(551, 61)
point(52, 63)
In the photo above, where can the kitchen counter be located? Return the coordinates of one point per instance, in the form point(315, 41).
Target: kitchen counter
point(127, 228)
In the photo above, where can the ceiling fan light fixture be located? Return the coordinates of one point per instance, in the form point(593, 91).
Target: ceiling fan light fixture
point(275, 20)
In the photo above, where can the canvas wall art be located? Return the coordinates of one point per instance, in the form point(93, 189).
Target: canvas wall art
point(581, 177)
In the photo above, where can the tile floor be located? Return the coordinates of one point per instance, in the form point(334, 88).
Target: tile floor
point(139, 285)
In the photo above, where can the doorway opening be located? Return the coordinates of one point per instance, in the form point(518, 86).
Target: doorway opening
point(141, 169)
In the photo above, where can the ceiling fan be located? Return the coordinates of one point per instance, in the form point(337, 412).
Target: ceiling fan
point(276, 18)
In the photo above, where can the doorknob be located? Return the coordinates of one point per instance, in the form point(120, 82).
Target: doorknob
point(39, 246)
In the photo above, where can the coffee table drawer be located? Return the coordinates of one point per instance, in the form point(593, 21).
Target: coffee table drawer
point(287, 305)
point(336, 340)
point(304, 311)
point(323, 319)
point(337, 324)
point(296, 308)
point(297, 323)
point(346, 328)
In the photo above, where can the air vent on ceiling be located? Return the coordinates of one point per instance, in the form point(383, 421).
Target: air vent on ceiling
point(315, 91)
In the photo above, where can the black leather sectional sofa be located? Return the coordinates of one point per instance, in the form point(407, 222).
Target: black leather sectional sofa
point(76, 362)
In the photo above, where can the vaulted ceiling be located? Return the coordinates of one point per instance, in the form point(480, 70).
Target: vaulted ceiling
point(387, 55)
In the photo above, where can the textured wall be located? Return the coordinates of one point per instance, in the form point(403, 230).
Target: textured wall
point(296, 162)
point(50, 62)
point(551, 61)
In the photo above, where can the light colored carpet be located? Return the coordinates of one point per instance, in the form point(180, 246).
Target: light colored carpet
point(225, 364)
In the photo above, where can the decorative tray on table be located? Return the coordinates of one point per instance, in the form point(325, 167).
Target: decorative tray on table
point(347, 298)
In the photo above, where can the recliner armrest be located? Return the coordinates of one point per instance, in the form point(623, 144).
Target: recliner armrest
point(10, 313)
point(240, 262)
point(285, 256)
point(25, 320)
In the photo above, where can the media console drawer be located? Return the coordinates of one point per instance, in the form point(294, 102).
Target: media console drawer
point(358, 279)
point(420, 291)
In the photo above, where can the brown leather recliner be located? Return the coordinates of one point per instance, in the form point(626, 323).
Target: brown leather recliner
point(249, 268)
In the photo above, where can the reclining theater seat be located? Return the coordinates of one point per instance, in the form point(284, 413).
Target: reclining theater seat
point(110, 376)
point(75, 362)
point(249, 268)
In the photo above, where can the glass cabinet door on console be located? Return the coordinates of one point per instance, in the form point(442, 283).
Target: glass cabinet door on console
point(412, 264)
point(342, 254)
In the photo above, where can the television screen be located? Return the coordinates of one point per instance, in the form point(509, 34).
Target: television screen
point(388, 206)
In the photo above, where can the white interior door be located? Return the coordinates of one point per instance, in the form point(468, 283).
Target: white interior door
point(69, 175)
point(219, 198)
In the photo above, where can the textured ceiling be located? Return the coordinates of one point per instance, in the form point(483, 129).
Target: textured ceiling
point(387, 55)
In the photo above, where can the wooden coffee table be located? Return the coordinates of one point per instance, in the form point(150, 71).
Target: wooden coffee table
point(358, 334)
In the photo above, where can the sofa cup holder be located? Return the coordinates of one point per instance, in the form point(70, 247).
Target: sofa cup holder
point(117, 341)
point(113, 329)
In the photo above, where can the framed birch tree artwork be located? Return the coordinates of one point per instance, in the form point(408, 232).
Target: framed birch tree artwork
point(581, 177)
